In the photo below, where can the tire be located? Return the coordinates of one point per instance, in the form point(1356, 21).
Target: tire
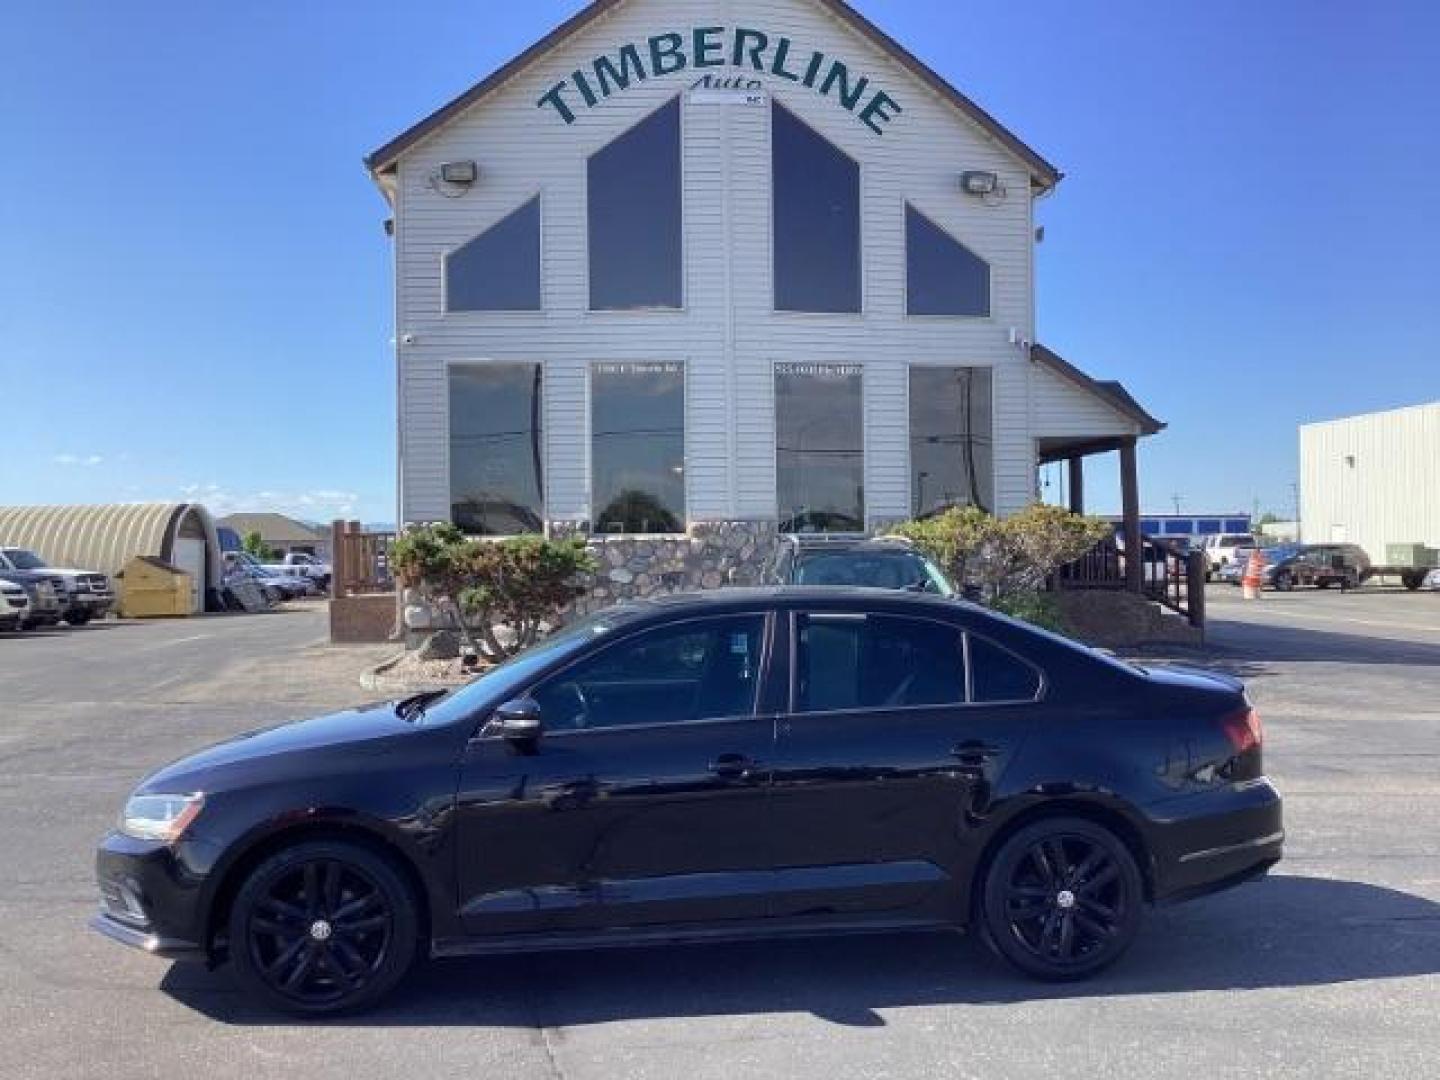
point(1412, 581)
point(1284, 581)
point(78, 618)
point(1092, 917)
point(290, 951)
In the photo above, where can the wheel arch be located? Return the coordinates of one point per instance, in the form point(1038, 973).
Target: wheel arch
point(264, 844)
point(1107, 813)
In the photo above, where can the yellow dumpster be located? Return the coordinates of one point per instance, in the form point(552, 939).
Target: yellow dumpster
point(153, 589)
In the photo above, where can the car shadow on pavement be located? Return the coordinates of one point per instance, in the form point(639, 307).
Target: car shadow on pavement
point(1283, 931)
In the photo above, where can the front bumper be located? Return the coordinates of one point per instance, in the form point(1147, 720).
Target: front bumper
point(152, 895)
point(97, 604)
point(166, 948)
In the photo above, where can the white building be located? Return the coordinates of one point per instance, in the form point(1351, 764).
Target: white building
point(1372, 480)
point(728, 266)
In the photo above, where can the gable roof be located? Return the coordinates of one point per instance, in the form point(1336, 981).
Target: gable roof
point(1043, 175)
point(1109, 391)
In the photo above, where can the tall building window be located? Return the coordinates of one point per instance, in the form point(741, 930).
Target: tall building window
point(816, 219)
point(952, 445)
point(635, 210)
point(496, 467)
point(819, 448)
point(943, 276)
point(499, 270)
point(637, 454)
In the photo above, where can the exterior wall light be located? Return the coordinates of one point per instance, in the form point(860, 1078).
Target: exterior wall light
point(459, 172)
point(980, 184)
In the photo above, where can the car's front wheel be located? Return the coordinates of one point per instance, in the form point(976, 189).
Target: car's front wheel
point(323, 927)
point(1062, 899)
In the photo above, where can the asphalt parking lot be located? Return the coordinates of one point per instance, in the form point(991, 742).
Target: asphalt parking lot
point(1330, 967)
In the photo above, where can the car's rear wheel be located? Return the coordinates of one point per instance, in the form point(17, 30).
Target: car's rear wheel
point(323, 927)
point(1062, 899)
point(78, 618)
point(1284, 581)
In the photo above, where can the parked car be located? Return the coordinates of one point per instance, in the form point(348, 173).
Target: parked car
point(276, 587)
point(889, 563)
point(83, 594)
point(42, 594)
point(14, 605)
point(1234, 570)
point(721, 766)
point(1223, 549)
point(305, 565)
point(1432, 580)
point(1291, 566)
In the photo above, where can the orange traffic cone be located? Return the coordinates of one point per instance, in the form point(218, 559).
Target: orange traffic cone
point(1254, 575)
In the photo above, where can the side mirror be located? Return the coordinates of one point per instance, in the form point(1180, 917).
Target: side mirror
point(518, 721)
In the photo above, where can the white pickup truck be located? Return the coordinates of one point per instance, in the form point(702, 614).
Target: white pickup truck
point(14, 604)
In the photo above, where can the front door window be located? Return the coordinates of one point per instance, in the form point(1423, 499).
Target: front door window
point(705, 670)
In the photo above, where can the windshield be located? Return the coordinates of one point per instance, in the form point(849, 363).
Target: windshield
point(502, 682)
point(876, 570)
point(24, 560)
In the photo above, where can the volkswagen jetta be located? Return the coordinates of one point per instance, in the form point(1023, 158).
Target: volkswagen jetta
point(745, 763)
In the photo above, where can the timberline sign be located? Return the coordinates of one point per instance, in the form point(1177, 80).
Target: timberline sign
point(707, 47)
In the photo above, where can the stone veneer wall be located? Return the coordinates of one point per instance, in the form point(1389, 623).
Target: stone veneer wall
point(710, 555)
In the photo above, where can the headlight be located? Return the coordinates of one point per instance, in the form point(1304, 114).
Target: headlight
point(160, 817)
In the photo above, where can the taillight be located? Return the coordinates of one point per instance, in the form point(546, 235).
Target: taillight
point(1244, 730)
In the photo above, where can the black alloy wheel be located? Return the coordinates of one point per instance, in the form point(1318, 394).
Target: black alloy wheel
point(1062, 899)
point(322, 928)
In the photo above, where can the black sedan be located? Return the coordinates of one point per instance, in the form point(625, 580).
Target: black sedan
point(746, 763)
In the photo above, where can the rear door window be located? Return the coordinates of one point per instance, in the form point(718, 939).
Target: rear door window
point(847, 662)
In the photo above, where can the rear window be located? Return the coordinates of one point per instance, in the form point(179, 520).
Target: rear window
point(856, 568)
point(1236, 541)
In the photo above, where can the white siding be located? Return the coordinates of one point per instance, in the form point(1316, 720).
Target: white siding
point(728, 335)
point(1063, 409)
point(1390, 495)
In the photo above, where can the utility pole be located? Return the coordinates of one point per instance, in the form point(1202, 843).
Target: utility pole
point(1176, 499)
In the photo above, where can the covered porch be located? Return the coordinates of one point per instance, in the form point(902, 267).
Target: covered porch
point(1079, 417)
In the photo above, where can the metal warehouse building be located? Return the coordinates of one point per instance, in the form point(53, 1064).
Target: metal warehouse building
point(105, 538)
point(1372, 480)
point(712, 269)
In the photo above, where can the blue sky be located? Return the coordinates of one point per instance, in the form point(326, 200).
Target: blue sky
point(195, 293)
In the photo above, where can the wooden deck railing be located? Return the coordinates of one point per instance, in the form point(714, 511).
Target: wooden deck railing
point(360, 560)
point(1169, 575)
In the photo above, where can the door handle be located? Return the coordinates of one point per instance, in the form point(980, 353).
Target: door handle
point(732, 767)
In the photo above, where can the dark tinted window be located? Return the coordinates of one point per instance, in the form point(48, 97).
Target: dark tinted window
point(817, 219)
point(705, 670)
point(999, 675)
point(500, 269)
point(819, 448)
point(952, 444)
point(878, 662)
point(943, 276)
point(496, 486)
point(868, 570)
point(635, 216)
point(637, 451)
